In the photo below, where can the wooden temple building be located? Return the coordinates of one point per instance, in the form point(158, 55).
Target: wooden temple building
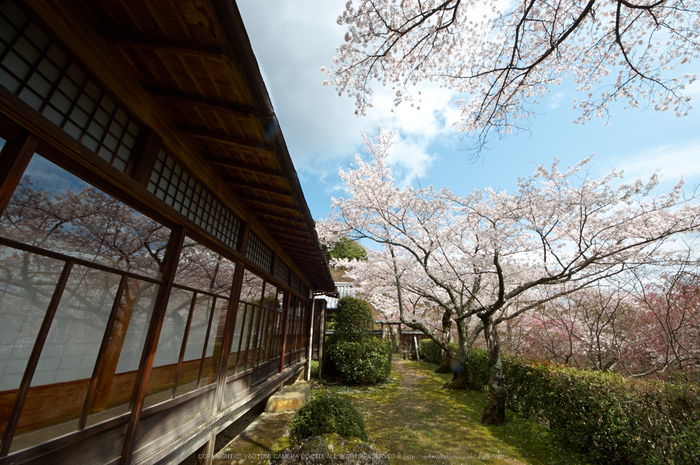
point(158, 260)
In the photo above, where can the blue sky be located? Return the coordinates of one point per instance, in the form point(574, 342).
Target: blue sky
point(293, 39)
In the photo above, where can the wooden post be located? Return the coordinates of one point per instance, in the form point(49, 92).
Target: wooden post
point(14, 161)
point(285, 323)
point(144, 160)
point(321, 340)
point(177, 239)
point(310, 345)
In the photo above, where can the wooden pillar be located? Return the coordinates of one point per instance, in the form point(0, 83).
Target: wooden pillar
point(228, 336)
point(321, 339)
point(285, 324)
point(145, 158)
point(177, 239)
point(15, 158)
point(310, 344)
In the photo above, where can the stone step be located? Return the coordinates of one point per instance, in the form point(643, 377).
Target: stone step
point(290, 398)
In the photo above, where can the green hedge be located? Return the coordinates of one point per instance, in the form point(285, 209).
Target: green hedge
point(352, 319)
point(431, 352)
point(363, 362)
point(610, 418)
point(327, 413)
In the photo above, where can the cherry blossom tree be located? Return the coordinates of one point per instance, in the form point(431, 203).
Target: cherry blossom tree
point(492, 256)
point(668, 323)
point(502, 57)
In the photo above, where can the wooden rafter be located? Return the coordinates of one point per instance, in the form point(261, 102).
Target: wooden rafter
point(277, 215)
point(257, 186)
point(244, 111)
point(165, 45)
point(227, 162)
point(263, 201)
point(224, 138)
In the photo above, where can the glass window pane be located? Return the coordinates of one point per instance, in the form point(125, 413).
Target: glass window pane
point(201, 268)
point(237, 332)
point(55, 210)
point(117, 374)
point(169, 344)
point(270, 296)
point(251, 290)
point(215, 341)
point(27, 282)
point(246, 338)
point(68, 357)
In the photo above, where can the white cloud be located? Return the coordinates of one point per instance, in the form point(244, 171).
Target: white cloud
point(320, 128)
point(672, 162)
point(555, 100)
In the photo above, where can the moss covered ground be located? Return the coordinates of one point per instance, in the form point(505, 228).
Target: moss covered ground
point(412, 420)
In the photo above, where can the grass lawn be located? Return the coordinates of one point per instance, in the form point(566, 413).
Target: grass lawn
point(413, 421)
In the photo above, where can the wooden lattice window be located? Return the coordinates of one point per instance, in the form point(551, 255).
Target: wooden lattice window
point(172, 184)
point(259, 253)
point(282, 271)
point(38, 72)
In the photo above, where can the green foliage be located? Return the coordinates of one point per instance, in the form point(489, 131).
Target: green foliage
point(327, 413)
point(354, 356)
point(352, 319)
point(687, 444)
point(431, 352)
point(610, 418)
point(348, 249)
point(363, 362)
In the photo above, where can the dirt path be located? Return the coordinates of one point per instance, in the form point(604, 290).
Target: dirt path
point(413, 421)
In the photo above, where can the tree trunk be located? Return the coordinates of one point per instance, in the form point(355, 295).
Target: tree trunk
point(495, 411)
point(459, 366)
point(446, 360)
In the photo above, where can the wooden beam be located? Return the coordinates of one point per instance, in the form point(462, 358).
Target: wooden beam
point(229, 163)
point(258, 200)
point(145, 158)
point(165, 96)
point(160, 44)
point(257, 186)
point(281, 231)
point(259, 211)
point(14, 161)
point(224, 138)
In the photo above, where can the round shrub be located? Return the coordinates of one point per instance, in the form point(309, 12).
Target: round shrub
point(430, 352)
point(352, 319)
point(363, 362)
point(327, 413)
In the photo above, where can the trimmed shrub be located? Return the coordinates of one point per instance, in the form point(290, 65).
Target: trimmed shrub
point(610, 418)
point(430, 352)
point(363, 362)
point(352, 319)
point(327, 413)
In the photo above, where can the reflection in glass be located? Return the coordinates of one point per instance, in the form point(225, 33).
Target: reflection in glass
point(55, 210)
point(201, 268)
point(237, 336)
point(172, 332)
point(252, 287)
point(27, 282)
point(69, 354)
point(116, 374)
point(214, 342)
point(189, 371)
